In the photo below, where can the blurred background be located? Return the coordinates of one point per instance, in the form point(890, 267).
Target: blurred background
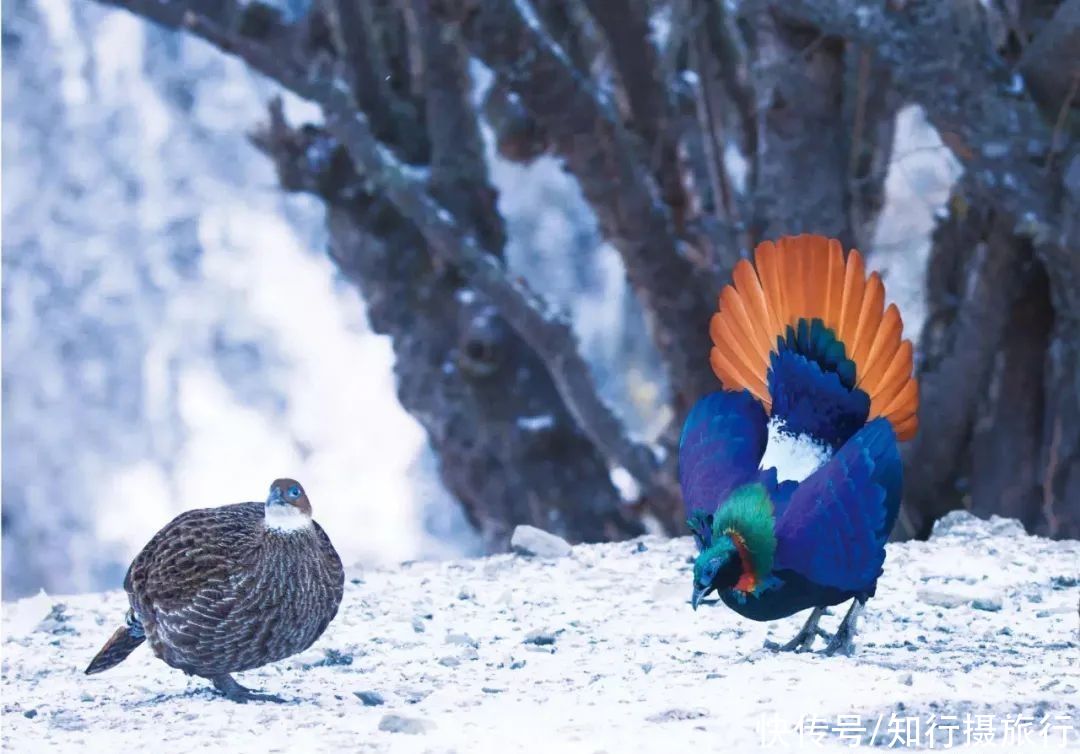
point(201, 293)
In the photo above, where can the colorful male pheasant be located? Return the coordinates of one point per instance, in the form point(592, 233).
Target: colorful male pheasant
point(791, 475)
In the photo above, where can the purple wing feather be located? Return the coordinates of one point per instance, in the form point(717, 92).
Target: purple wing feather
point(834, 528)
point(721, 447)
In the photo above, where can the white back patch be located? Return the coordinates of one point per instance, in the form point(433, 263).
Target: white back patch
point(286, 518)
point(793, 456)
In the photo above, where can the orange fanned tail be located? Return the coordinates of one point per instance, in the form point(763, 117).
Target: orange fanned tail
point(807, 277)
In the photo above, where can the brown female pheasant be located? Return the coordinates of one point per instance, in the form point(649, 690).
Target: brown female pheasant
point(222, 590)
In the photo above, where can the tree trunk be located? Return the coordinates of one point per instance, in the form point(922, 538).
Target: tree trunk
point(999, 422)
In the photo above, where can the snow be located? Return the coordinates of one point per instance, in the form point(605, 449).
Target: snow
point(921, 174)
point(539, 423)
point(596, 651)
point(628, 487)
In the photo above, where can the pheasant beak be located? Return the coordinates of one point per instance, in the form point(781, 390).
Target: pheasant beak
point(700, 593)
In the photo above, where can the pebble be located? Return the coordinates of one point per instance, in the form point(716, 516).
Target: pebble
point(528, 540)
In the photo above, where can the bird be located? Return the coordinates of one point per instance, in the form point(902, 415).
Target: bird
point(227, 589)
point(791, 474)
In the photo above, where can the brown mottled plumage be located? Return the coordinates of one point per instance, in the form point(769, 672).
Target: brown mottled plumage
point(221, 590)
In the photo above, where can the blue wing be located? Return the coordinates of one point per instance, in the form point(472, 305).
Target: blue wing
point(722, 443)
point(834, 528)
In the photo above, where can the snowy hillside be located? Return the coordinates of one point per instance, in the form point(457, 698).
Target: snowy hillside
point(174, 335)
point(594, 651)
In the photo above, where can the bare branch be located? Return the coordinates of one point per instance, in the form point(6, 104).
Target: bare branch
point(712, 129)
point(614, 178)
point(546, 332)
point(731, 65)
point(625, 24)
point(873, 126)
point(459, 177)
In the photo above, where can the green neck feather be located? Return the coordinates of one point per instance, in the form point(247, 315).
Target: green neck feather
point(749, 516)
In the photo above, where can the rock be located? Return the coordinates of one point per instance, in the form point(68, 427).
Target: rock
point(409, 725)
point(449, 662)
point(1006, 527)
point(528, 540)
point(957, 523)
point(540, 638)
point(907, 679)
point(967, 526)
point(370, 698)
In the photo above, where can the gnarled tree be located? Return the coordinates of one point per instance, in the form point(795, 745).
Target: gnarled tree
point(806, 92)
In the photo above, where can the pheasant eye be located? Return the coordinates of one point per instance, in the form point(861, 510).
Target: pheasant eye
point(294, 492)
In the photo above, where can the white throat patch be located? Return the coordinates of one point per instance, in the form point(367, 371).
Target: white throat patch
point(286, 518)
point(795, 457)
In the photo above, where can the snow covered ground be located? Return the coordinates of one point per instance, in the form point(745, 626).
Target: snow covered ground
point(595, 651)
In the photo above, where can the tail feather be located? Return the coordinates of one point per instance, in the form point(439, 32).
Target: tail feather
point(123, 642)
point(805, 282)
